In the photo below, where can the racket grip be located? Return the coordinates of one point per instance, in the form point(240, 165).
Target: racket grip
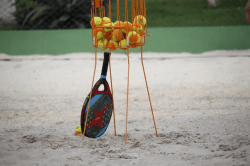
point(105, 63)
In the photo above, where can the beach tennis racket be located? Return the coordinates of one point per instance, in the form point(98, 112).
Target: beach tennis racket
point(101, 105)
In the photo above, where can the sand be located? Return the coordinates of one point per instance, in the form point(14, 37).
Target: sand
point(201, 105)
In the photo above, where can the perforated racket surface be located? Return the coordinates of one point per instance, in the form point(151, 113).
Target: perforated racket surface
point(101, 106)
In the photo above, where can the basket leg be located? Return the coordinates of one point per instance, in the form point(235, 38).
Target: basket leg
point(83, 135)
point(156, 133)
point(112, 91)
point(126, 129)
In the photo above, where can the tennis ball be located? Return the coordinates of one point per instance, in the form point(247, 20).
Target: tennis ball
point(137, 43)
point(118, 23)
point(133, 36)
point(78, 130)
point(107, 29)
point(123, 44)
point(108, 24)
point(128, 27)
point(106, 19)
point(142, 33)
point(113, 25)
point(133, 45)
point(140, 42)
point(96, 21)
point(108, 35)
point(99, 35)
point(140, 19)
point(137, 27)
point(117, 35)
point(96, 30)
point(103, 44)
point(139, 39)
point(112, 45)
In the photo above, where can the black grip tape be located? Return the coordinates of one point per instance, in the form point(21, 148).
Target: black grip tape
point(105, 63)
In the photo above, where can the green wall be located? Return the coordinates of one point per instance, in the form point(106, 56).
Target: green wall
point(179, 39)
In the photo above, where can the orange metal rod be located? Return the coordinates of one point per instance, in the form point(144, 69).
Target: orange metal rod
point(90, 96)
point(132, 10)
point(126, 129)
point(126, 10)
point(112, 91)
point(141, 7)
point(156, 133)
point(110, 16)
point(118, 10)
point(145, 15)
point(136, 11)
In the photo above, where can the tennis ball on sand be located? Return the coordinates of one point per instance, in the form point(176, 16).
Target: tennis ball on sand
point(137, 27)
point(106, 19)
point(96, 21)
point(123, 44)
point(78, 130)
point(133, 37)
point(117, 35)
point(103, 44)
point(112, 45)
point(140, 19)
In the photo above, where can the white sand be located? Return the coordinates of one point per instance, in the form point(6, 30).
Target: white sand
point(201, 104)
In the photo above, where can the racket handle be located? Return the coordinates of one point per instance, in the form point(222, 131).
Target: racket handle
point(105, 63)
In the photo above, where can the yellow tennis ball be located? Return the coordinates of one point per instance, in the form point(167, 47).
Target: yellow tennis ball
point(108, 24)
point(103, 44)
point(118, 23)
point(96, 30)
point(123, 44)
point(137, 27)
point(106, 19)
point(99, 35)
point(107, 29)
point(112, 24)
point(96, 21)
point(78, 130)
point(140, 19)
point(117, 35)
point(139, 38)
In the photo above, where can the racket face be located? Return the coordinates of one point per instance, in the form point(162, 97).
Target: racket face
point(100, 111)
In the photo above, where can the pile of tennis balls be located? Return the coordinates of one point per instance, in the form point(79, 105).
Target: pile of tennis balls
point(113, 37)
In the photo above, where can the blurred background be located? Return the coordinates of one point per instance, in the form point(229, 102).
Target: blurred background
point(75, 14)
